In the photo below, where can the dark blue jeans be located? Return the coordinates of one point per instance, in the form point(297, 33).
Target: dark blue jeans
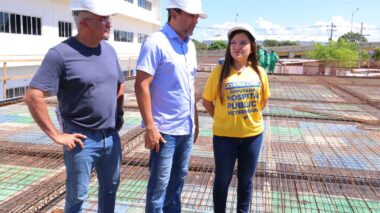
point(168, 169)
point(226, 151)
point(102, 152)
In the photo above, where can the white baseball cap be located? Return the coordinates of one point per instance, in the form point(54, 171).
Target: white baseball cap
point(98, 7)
point(243, 27)
point(189, 6)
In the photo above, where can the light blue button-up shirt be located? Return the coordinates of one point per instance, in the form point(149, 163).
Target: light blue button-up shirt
point(172, 63)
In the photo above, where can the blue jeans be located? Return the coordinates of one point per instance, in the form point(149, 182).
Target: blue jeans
point(102, 151)
point(168, 170)
point(226, 151)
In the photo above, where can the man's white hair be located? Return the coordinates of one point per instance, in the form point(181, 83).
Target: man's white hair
point(77, 16)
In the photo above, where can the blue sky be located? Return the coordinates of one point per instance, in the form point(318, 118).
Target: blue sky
point(299, 20)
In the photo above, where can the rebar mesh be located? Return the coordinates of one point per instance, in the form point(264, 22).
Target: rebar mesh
point(321, 153)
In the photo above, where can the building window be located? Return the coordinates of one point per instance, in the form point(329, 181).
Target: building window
point(36, 26)
point(145, 4)
point(142, 37)
point(15, 92)
point(64, 29)
point(15, 23)
point(4, 22)
point(19, 24)
point(130, 1)
point(123, 36)
point(27, 25)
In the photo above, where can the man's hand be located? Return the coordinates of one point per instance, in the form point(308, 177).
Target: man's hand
point(70, 140)
point(153, 139)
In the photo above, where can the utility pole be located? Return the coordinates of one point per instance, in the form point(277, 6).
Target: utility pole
point(360, 44)
point(361, 31)
point(332, 26)
point(237, 10)
point(361, 36)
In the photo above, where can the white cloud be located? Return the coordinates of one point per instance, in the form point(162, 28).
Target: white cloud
point(372, 32)
point(318, 32)
point(343, 26)
point(271, 28)
point(219, 31)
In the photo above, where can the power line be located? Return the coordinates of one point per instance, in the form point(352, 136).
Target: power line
point(282, 31)
point(274, 29)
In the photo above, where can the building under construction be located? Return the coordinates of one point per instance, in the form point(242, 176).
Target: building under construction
point(321, 153)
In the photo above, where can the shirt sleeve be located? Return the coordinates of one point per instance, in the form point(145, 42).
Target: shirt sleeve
point(149, 58)
point(48, 75)
point(210, 90)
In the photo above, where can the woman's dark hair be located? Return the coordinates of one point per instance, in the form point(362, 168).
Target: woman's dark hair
point(179, 11)
point(226, 68)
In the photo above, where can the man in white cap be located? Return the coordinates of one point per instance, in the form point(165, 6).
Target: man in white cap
point(165, 93)
point(83, 71)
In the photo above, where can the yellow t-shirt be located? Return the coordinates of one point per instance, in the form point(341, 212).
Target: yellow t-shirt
point(240, 115)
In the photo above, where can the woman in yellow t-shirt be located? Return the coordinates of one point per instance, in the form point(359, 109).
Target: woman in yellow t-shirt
point(235, 94)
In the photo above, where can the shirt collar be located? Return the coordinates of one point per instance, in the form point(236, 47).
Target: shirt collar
point(170, 33)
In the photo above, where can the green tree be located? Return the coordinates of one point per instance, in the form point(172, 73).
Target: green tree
point(270, 43)
point(334, 50)
point(363, 55)
point(376, 53)
point(353, 37)
point(217, 45)
point(199, 45)
point(287, 43)
point(335, 54)
point(275, 43)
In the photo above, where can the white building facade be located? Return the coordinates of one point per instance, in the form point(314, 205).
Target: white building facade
point(29, 28)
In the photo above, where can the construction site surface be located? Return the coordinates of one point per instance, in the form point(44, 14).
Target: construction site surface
point(321, 153)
